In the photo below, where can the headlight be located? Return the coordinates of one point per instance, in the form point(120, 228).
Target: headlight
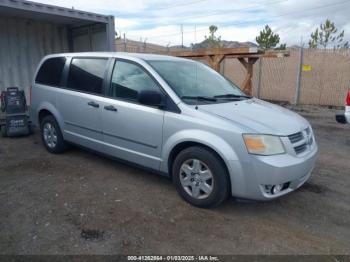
point(263, 144)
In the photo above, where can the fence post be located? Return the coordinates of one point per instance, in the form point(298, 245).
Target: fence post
point(259, 78)
point(222, 67)
point(298, 82)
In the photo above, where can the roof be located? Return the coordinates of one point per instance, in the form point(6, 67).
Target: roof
point(39, 11)
point(142, 56)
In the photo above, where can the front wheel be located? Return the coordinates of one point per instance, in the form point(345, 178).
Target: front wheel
point(52, 135)
point(200, 177)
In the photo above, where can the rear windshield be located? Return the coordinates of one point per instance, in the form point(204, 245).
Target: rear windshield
point(50, 72)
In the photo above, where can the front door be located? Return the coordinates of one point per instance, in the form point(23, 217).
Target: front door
point(132, 131)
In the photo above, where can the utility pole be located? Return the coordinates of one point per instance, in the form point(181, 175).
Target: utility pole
point(167, 47)
point(195, 34)
point(144, 45)
point(124, 43)
point(139, 46)
point(182, 36)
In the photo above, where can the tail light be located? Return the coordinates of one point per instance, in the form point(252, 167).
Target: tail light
point(348, 99)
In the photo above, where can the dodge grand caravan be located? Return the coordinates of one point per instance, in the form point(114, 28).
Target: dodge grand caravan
point(177, 117)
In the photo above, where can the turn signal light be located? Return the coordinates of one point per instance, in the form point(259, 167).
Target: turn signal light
point(254, 143)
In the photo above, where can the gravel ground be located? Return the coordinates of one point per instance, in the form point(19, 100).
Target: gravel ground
point(81, 203)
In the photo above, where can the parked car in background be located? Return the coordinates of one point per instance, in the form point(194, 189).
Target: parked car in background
point(177, 117)
point(345, 118)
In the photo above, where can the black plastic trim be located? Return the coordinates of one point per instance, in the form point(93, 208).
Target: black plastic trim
point(341, 119)
point(130, 140)
point(83, 127)
point(111, 135)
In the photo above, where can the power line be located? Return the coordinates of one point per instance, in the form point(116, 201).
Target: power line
point(228, 11)
point(180, 4)
point(240, 23)
point(219, 12)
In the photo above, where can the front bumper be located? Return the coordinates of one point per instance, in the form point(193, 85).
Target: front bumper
point(251, 179)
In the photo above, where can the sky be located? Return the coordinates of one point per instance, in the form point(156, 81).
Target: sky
point(160, 22)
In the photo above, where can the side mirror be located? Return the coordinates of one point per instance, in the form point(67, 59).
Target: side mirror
point(150, 98)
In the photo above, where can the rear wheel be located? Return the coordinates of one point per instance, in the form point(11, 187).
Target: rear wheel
point(200, 177)
point(52, 135)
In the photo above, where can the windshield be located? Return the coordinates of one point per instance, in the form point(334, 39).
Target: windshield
point(192, 80)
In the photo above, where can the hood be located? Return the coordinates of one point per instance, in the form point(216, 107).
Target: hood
point(258, 116)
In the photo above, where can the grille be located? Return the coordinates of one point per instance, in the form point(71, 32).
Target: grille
point(300, 149)
point(295, 138)
point(301, 140)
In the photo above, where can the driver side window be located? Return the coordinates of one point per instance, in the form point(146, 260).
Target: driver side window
point(128, 79)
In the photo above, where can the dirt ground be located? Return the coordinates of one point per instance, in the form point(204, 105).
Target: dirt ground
point(81, 203)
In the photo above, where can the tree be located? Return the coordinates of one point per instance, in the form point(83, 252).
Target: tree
point(267, 39)
point(212, 39)
point(281, 47)
point(117, 36)
point(326, 36)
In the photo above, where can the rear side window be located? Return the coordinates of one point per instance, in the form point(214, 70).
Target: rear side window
point(86, 74)
point(50, 72)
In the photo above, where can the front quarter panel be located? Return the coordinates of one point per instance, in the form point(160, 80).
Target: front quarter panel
point(179, 128)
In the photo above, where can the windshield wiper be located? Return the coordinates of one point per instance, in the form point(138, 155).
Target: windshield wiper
point(232, 96)
point(203, 98)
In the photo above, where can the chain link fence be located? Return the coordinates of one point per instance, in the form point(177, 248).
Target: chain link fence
point(307, 76)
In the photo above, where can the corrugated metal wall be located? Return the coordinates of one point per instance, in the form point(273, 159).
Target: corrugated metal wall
point(23, 43)
point(88, 38)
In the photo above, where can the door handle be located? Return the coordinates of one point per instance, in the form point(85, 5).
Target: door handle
point(93, 104)
point(111, 108)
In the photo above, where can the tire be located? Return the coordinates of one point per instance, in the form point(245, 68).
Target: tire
point(51, 135)
point(3, 131)
point(193, 181)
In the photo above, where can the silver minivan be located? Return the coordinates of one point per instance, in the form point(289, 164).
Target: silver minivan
point(177, 117)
